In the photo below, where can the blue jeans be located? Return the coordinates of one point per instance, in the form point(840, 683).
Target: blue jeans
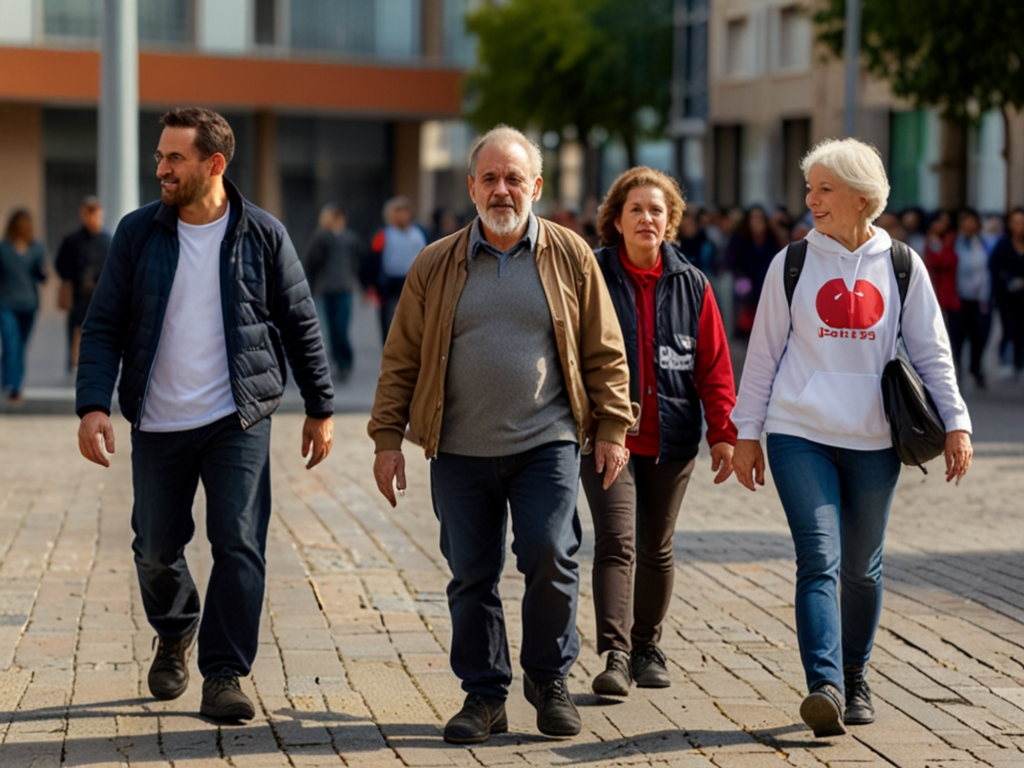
point(472, 497)
point(234, 465)
point(15, 327)
point(837, 503)
point(338, 311)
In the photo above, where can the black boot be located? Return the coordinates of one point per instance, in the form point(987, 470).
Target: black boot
point(649, 667)
point(822, 710)
point(556, 713)
point(859, 709)
point(479, 717)
point(616, 678)
point(168, 674)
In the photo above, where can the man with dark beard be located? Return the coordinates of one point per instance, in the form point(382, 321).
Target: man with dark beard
point(506, 361)
point(200, 298)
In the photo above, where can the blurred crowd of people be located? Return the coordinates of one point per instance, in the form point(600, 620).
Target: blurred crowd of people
point(976, 264)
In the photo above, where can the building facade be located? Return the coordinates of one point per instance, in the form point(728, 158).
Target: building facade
point(327, 99)
point(773, 93)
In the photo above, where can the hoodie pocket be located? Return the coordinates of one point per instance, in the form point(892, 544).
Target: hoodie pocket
point(843, 404)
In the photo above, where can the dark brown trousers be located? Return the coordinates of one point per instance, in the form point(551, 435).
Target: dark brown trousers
point(634, 520)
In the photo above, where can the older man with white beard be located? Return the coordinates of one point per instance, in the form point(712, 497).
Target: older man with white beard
point(506, 362)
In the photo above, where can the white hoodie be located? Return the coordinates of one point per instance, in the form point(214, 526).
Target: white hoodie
point(822, 381)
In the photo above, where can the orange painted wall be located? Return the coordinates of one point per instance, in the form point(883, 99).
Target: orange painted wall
point(47, 75)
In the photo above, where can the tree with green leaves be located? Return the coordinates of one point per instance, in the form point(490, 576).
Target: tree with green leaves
point(590, 64)
point(963, 58)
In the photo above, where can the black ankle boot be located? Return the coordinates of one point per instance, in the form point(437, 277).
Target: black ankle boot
point(859, 709)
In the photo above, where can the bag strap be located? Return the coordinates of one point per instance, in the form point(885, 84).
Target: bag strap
point(901, 265)
point(796, 254)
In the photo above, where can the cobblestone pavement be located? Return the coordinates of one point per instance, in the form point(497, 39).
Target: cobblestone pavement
point(353, 670)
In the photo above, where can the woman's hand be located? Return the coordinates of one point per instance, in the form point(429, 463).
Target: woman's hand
point(721, 461)
point(958, 454)
point(748, 463)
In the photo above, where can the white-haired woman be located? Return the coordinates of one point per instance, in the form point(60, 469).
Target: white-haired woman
point(812, 382)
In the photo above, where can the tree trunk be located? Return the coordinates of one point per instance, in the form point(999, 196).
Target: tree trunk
point(953, 165)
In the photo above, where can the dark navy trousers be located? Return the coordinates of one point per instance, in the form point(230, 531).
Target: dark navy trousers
point(234, 466)
point(472, 499)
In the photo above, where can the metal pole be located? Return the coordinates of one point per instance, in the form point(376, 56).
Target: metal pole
point(851, 47)
point(119, 110)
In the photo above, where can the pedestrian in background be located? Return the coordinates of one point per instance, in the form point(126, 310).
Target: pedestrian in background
point(1008, 285)
point(972, 322)
point(913, 220)
point(748, 255)
point(22, 268)
point(811, 381)
point(505, 361)
point(201, 298)
point(678, 354)
point(79, 263)
point(333, 262)
point(394, 248)
point(940, 259)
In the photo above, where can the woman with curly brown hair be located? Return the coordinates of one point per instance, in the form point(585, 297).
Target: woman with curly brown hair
point(22, 267)
point(678, 361)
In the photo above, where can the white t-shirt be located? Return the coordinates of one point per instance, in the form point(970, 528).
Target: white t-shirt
point(191, 386)
point(817, 374)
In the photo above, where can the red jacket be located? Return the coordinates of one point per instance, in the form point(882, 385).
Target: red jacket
point(940, 259)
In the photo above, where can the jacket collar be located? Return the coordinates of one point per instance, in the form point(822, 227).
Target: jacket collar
point(672, 260)
point(167, 215)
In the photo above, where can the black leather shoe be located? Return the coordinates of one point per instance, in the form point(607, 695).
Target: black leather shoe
point(223, 700)
point(859, 709)
point(168, 674)
point(479, 717)
point(822, 710)
point(649, 667)
point(556, 714)
point(616, 678)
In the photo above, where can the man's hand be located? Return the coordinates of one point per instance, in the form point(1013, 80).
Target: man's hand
point(748, 463)
point(610, 459)
point(389, 466)
point(721, 461)
point(318, 434)
point(96, 437)
point(958, 454)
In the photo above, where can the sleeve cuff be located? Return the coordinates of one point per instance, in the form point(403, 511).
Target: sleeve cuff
point(387, 440)
point(611, 431)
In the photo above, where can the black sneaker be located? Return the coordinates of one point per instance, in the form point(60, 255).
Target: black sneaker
point(168, 674)
point(649, 667)
point(616, 678)
point(556, 714)
point(859, 709)
point(822, 710)
point(223, 699)
point(479, 717)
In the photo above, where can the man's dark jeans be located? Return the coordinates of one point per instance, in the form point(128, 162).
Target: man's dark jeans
point(234, 465)
point(338, 309)
point(472, 497)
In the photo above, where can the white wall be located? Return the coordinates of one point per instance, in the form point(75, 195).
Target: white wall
point(223, 25)
point(16, 17)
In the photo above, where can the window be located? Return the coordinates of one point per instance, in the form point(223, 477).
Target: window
point(266, 22)
point(383, 28)
point(459, 46)
point(737, 48)
point(160, 21)
point(794, 39)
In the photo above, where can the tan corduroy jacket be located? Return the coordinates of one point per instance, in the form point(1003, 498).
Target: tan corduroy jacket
point(410, 390)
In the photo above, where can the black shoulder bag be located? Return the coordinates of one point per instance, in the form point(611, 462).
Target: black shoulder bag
point(918, 434)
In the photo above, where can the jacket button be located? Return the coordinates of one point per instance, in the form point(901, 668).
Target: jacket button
point(439, 405)
point(443, 358)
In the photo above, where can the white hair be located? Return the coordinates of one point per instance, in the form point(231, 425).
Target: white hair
point(505, 135)
point(856, 164)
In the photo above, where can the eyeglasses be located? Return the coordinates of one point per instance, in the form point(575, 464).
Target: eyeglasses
point(172, 159)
